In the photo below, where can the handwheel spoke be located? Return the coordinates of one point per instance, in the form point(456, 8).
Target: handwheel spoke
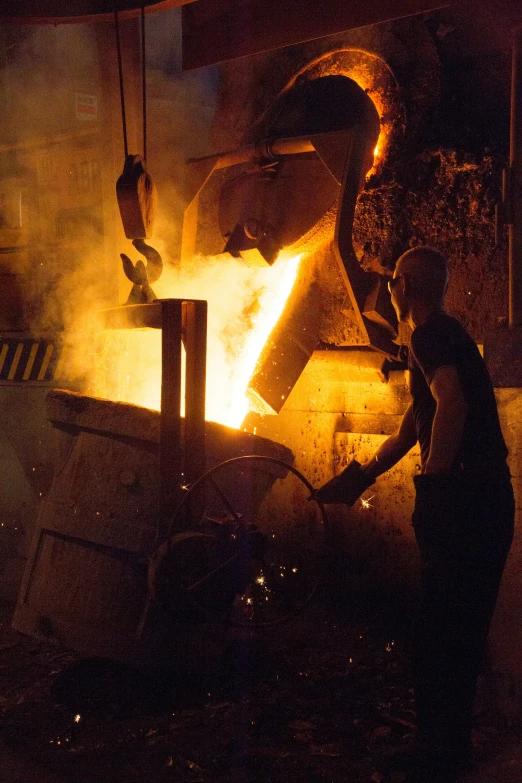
point(254, 536)
point(224, 498)
point(213, 573)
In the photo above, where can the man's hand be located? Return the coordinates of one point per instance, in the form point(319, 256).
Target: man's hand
point(349, 485)
point(346, 488)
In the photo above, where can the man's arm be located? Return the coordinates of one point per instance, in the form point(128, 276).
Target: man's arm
point(394, 448)
point(448, 422)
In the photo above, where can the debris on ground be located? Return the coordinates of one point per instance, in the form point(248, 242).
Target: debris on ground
point(319, 700)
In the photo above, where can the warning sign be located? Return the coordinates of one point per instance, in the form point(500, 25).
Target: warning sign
point(86, 106)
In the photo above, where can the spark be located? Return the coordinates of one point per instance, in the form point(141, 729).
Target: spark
point(77, 718)
point(365, 502)
point(260, 580)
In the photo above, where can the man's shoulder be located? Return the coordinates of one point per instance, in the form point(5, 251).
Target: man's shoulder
point(438, 326)
point(438, 341)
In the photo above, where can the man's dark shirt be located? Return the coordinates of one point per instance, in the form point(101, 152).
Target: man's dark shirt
point(441, 341)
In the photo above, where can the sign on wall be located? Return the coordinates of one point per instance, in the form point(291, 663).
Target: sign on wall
point(86, 106)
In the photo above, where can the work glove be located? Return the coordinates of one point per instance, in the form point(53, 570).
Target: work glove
point(346, 488)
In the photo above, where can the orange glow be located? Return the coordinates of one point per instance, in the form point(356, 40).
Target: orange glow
point(375, 77)
point(378, 151)
point(244, 305)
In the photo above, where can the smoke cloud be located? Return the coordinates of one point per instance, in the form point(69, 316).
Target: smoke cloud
point(53, 164)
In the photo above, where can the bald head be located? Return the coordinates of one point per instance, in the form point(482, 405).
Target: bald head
point(427, 270)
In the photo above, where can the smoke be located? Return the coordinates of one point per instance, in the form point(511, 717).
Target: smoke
point(179, 116)
point(44, 67)
point(54, 152)
point(56, 83)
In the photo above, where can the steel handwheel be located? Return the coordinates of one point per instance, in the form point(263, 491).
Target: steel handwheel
point(247, 543)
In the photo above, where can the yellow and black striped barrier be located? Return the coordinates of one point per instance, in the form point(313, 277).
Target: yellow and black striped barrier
point(29, 360)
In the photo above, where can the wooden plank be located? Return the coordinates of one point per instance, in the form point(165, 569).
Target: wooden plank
point(132, 316)
point(170, 422)
point(214, 31)
point(195, 339)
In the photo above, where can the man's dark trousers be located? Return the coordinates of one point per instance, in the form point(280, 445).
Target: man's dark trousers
point(464, 527)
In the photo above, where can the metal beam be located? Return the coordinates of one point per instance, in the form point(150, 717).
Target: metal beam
point(74, 11)
point(515, 182)
point(219, 30)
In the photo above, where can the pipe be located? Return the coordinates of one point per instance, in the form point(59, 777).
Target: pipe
point(515, 186)
point(266, 151)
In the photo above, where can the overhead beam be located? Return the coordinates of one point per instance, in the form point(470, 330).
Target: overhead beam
point(76, 11)
point(218, 30)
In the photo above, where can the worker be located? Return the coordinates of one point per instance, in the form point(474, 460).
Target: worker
point(463, 515)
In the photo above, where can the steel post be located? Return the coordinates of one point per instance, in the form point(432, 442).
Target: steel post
point(515, 187)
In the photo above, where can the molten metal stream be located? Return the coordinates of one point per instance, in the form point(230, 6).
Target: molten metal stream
point(244, 306)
